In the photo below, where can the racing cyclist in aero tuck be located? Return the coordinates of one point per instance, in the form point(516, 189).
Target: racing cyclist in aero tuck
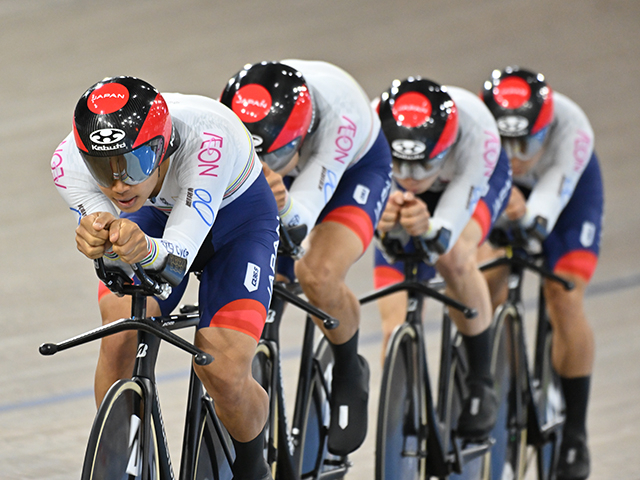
point(558, 198)
point(329, 168)
point(451, 182)
point(182, 171)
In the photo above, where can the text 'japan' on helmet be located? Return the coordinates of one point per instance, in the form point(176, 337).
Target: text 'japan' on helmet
point(274, 102)
point(123, 130)
point(420, 122)
point(522, 104)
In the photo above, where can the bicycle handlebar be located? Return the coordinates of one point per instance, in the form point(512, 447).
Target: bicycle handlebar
point(523, 258)
point(144, 324)
point(117, 281)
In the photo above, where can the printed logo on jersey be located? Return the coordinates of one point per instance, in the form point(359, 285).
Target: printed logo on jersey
point(108, 98)
point(512, 92)
point(512, 125)
point(106, 136)
point(587, 234)
point(252, 277)
point(361, 194)
point(251, 103)
point(408, 149)
point(411, 109)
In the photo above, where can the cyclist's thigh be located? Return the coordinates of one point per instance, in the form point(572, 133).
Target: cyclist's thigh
point(493, 203)
point(362, 192)
point(574, 244)
point(236, 283)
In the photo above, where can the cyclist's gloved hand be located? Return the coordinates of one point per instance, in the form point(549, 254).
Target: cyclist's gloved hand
point(290, 240)
point(433, 247)
point(391, 244)
point(513, 233)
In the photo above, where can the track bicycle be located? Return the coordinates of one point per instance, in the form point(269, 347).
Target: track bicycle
point(531, 405)
point(128, 440)
point(415, 436)
point(299, 452)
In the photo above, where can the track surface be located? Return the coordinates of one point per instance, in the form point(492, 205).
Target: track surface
point(52, 50)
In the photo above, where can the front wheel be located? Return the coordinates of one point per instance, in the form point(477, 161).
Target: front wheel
point(550, 405)
point(116, 441)
point(315, 461)
point(401, 440)
point(508, 452)
point(214, 448)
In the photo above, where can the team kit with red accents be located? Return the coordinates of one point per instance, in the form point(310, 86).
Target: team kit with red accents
point(474, 180)
point(565, 184)
point(212, 176)
point(343, 175)
point(334, 179)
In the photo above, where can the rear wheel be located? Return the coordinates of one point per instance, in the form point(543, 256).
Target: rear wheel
point(508, 452)
point(402, 422)
point(115, 447)
point(475, 466)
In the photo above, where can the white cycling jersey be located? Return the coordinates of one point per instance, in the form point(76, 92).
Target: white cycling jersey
point(214, 164)
point(567, 151)
point(346, 129)
point(464, 177)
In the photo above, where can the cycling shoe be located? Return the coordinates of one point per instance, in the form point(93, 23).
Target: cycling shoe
point(349, 399)
point(479, 412)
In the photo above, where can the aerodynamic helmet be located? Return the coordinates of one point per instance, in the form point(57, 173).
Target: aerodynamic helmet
point(123, 130)
point(274, 102)
point(420, 122)
point(522, 104)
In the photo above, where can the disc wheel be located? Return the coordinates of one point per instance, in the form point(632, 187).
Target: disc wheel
point(401, 432)
point(115, 447)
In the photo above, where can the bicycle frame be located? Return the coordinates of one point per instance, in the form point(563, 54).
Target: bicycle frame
point(443, 454)
point(151, 330)
point(527, 410)
point(284, 293)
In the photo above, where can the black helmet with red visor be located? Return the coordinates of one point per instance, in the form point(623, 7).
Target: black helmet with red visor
point(123, 130)
point(420, 121)
point(274, 102)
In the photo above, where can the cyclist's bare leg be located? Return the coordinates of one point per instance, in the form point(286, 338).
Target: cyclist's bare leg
point(465, 283)
point(241, 403)
point(393, 310)
point(573, 348)
point(117, 352)
point(497, 278)
point(332, 250)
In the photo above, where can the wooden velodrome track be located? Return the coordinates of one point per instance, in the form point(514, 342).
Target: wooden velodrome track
point(52, 50)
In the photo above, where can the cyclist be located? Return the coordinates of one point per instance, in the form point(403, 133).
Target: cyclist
point(451, 180)
point(329, 168)
point(182, 171)
point(558, 198)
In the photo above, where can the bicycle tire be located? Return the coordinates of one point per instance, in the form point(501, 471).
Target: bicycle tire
point(315, 461)
point(549, 402)
point(114, 449)
point(508, 452)
point(263, 368)
point(211, 458)
point(401, 440)
point(476, 468)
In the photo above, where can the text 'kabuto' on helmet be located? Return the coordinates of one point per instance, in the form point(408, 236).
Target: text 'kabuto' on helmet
point(123, 130)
